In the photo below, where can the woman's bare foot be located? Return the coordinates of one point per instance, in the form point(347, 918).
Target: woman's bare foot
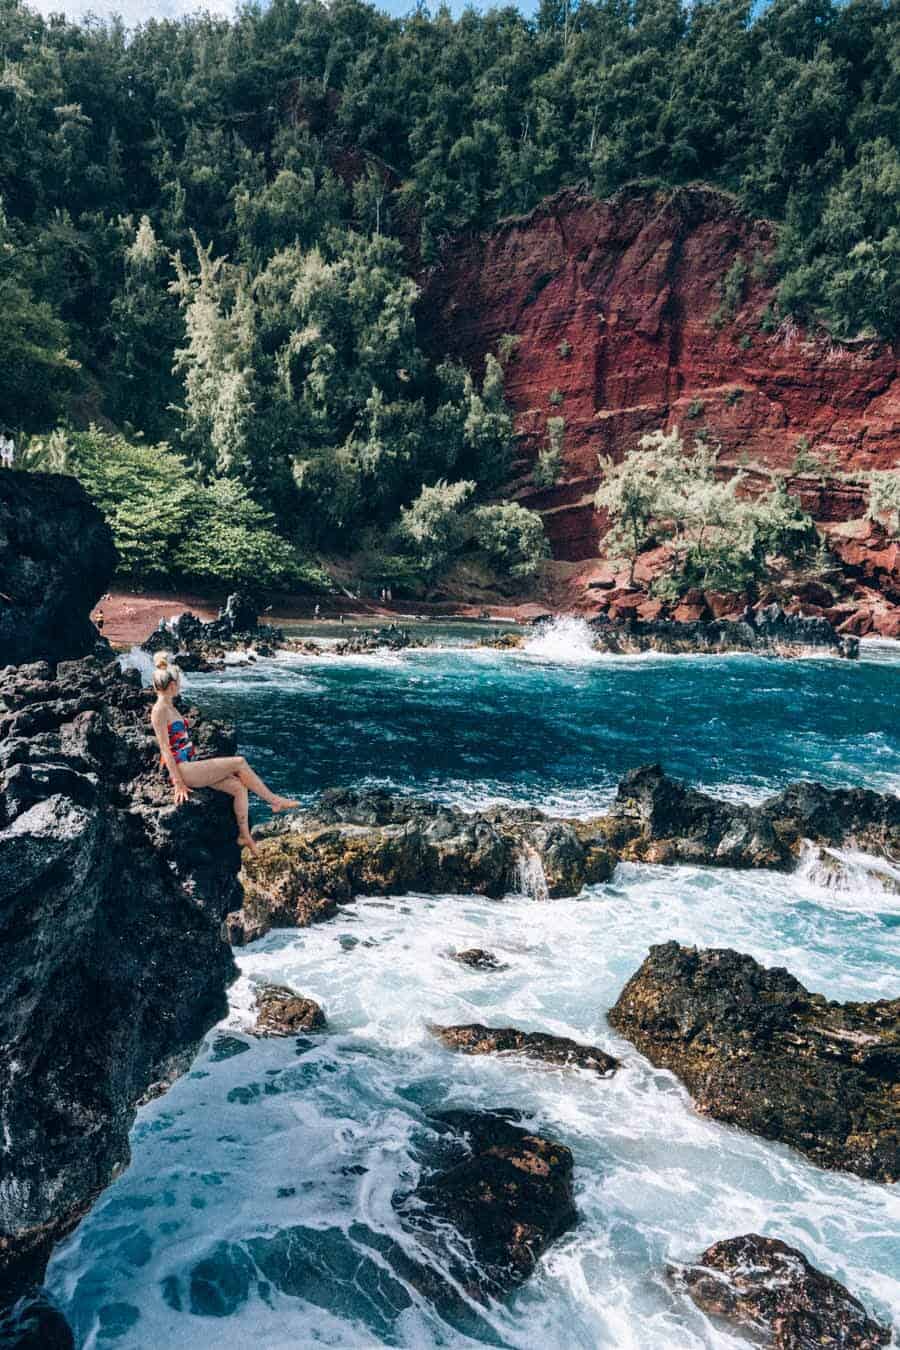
point(247, 841)
point(283, 804)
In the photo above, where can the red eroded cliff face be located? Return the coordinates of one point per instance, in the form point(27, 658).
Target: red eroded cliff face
point(618, 306)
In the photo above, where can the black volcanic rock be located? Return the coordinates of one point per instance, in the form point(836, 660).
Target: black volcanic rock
point(764, 1285)
point(658, 819)
point(370, 843)
point(56, 560)
point(283, 1012)
point(506, 1190)
point(111, 909)
point(475, 1039)
point(756, 1049)
point(478, 959)
point(768, 631)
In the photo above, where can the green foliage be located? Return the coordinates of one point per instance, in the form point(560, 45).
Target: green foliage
point(720, 538)
point(884, 500)
point(512, 537)
point(230, 540)
point(731, 291)
point(548, 466)
point(507, 347)
point(564, 349)
point(435, 525)
point(695, 408)
point(555, 398)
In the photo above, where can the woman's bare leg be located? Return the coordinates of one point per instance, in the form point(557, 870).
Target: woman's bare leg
point(210, 772)
point(240, 797)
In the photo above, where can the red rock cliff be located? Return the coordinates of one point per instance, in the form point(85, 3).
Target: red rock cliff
point(619, 309)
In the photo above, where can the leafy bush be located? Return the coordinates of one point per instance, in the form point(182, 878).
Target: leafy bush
point(512, 537)
point(435, 524)
point(884, 499)
point(231, 541)
point(548, 466)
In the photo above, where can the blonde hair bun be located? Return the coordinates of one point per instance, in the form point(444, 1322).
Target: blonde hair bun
point(165, 672)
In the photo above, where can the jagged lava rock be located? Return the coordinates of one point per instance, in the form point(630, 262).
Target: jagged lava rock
point(756, 1049)
point(56, 560)
point(768, 630)
point(478, 959)
point(369, 843)
point(771, 1289)
point(659, 819)
point(111, 909)
point(475, 1039)
point(508, 1191)
point(283, 1012)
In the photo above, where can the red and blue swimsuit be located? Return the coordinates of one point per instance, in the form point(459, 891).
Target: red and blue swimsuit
point(180, 743)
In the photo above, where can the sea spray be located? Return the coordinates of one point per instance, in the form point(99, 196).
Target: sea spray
point(566, 639)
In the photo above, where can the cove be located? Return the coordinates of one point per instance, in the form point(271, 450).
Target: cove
point(258, 1207)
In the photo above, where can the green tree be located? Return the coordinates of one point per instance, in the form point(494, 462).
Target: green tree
point(512, 537)
point(231, 540)
point(436, 525)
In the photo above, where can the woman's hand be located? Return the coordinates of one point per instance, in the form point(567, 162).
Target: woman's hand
point(181, 790)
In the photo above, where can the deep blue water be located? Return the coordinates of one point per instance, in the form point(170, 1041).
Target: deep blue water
point(257, 1209)
point(473, 724)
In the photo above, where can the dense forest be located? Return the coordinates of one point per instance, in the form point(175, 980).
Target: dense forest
point(210, 232)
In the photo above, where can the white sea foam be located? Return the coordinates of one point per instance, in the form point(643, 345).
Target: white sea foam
point(319, 1142)
point(567, 640)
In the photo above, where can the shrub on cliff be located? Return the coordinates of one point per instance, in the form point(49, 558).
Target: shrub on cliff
point(435, 525)
point(720, 538)
point(884, 499)
point(511, 536)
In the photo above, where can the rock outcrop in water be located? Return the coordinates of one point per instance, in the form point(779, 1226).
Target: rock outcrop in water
point(756, 1049)
point(769, 1288)
point(369, 843)
point(476, 1039)
point(201, 646)
point(282, 1012)
point(56, 560)
point(768, 631)
point(506, 1190)
point(660, 820)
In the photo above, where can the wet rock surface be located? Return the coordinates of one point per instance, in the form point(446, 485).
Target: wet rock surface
point(111, 909)
point(475, 1039)
point(755, 1049)
point(506, 1190)
point(769, 1288)
point(369, 843)
point(201, 646)
point(56, 560)
point(769, 631)
point(659, 819)
point(283, 1012)
point(478, 959)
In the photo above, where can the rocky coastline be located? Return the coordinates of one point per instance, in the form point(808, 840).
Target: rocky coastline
point(350, 843)
point(111, 908)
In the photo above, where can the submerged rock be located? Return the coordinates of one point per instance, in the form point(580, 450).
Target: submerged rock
point(507, 1191)
point(756, 1049)
point(475, 1039)
point(111, 909)
point(659, 819)
point(282, 1012)
point(478, 959)
point(770, 1288)
point(370, 843)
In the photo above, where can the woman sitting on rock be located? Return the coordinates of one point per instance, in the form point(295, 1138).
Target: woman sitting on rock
point(231, 774)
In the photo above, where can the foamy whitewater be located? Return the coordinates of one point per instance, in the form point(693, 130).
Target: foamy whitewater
point(257, 1209)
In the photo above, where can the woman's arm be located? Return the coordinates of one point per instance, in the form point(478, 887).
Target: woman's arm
point(160, 727)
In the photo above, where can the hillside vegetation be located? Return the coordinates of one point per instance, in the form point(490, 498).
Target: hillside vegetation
point(210, 231)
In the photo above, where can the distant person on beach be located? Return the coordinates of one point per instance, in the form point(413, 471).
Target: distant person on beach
point(7, 451)
point(230, 774)
point(317, 611)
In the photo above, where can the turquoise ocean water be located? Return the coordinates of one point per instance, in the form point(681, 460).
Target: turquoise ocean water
point(257, 1209)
